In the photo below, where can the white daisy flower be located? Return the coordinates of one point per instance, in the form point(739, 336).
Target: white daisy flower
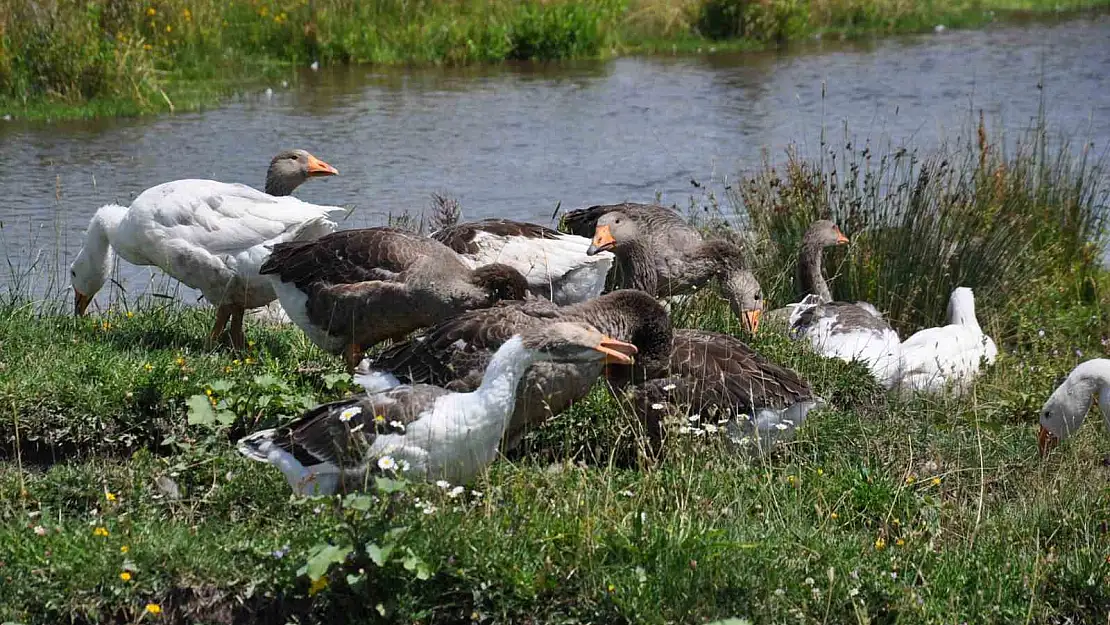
point(397, 425)
point(387, 463)
point(684, 430)
point(444, 484)
point(347, 414)
point(710, 428)
point(455, 492)
point(693, 418)
point(404, 465)
point(669, 387)
point(781, 426)
point(657, 406)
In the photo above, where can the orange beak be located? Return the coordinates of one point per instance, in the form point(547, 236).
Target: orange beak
point(317, 168)
point(80, 303)
point(603, 240)
point(616, 352)
point(840, 238)
point(750, 320)
point(1046, 441)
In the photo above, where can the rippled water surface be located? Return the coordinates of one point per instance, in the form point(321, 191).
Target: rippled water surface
point(514, 140)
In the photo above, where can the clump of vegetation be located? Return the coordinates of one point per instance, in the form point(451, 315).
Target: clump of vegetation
point(122, 496)
point(67, 57)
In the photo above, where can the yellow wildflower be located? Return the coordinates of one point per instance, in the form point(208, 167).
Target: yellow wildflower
point(880, 544)
point(834, 516)
point(148, 366)
point(820, 471)
point(150, 11)
point(379, 419)
point(790, 479)
point(910, 479)
point(248, 361)
point(317, 586)
point(180, 361)
point(147, 46)
point(899, 542)
point(124, 548)
point(100, 531)
point(153, 608)
point(236, 362)
point(227, 368)
point(125, 576)
point(130, 314)
point(169, 29)
point(208, 392)
point(264, 11)
point(936, 481)
point(110, 496)
point(611, 588)
point(188, 15)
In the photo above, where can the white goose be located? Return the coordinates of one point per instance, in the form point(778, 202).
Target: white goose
point(212, 236)
point(936, 357)
point(555, 264)
point(1069, 404)
point(845, 330)
point(428, 432)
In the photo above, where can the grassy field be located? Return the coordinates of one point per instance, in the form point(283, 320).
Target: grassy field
point(70, 58)
point(123, 500)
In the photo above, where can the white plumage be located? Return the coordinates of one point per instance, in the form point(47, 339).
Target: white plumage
point(936, 359)
point(1066, 409)
point(212, 236)
point(849, 331)
point(554, 264)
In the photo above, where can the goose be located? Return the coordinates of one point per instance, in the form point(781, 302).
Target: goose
point(845, 330)
point(659, 253)
point(715, 373)
point(455, 353)
point(211, 236)
point(1067, 407)
point(352, 289)
point(935, 357)
point(555, 264)
point(432, 432)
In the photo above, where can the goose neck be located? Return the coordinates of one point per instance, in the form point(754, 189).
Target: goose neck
point(810, 272)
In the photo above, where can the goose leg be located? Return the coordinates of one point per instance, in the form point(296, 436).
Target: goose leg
point(352, 356)
point(238, 339)
point(222, 315)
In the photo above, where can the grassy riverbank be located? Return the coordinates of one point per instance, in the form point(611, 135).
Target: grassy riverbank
point(70, 58)
point(115, 508)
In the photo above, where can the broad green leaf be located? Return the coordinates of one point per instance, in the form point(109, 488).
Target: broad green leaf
point(268, 381)
point(221, 386)
point(380, 555)
point(359, 502)
point(412, 562)
point(387, 485)
point(200, 410)
point(331, 379)
point(318, 564)
point(225, 417)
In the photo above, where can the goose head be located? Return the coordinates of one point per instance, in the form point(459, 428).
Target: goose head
point(291, 168)
point(745, 297)
point(613, 229)
point(823, 233)
point(577, 342)
point(500, 282)
point(87, 275)
point(1064, 411)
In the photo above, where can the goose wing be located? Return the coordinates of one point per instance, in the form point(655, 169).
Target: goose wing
point(219, 217)
point(342, 432)
point(455, 353)
point(352, 256)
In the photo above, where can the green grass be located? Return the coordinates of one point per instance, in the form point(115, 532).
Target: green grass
point(884, 510)
point(70, 58)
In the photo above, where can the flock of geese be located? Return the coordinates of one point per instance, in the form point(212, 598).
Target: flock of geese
point(519, 321)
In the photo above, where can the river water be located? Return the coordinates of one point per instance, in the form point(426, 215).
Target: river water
point(513, 140)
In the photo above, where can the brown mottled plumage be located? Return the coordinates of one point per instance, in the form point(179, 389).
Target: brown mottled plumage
point(660, 253)
point(360, 287)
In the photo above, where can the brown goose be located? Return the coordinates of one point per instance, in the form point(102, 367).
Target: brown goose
point(555, 264)
point(353, 289)
point(211, 236)
point(704, 372)
point(659, 253)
